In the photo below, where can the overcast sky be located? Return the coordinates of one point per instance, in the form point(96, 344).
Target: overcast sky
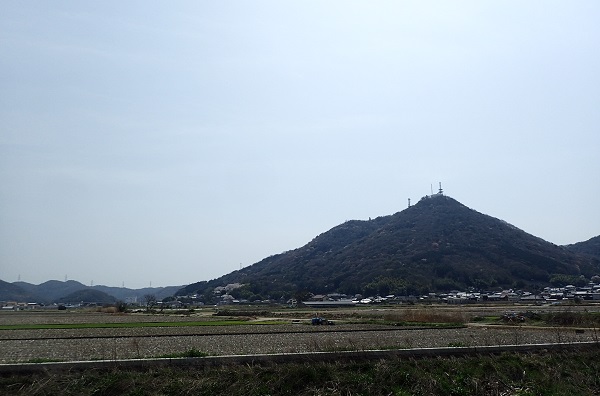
point(171, 142)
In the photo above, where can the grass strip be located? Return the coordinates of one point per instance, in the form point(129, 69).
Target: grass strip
point(75, 326)
point(564, 373)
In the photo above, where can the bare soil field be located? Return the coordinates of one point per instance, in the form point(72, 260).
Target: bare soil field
point(22, 345)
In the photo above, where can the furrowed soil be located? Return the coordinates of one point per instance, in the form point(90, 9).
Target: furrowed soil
point(557, 373)
point(97, 343)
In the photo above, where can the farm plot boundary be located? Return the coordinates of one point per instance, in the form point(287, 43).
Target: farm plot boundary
point(312, 357)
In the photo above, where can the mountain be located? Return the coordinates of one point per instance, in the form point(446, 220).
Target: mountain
point(88, 296)
point(10, 292)
point(436, 245)
point(50, 291)
point(122, 293)
point(55, 291)
point(591, 247)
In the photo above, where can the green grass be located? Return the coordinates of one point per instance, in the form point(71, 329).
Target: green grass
point(556, 373)
point(486, 319)
point(134, 325)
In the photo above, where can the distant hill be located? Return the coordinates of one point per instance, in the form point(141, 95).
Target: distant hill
point(590, 247)
point(11, 292)
point(123, 293)
point(54, 291)
point(437, 244)
point(88, 296)
point(50, 291)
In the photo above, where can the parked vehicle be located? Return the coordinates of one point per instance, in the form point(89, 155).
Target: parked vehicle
point(317, 321)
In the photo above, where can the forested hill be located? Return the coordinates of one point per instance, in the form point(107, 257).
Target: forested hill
point(54, 291)
point(436, 245)
point(590, 247)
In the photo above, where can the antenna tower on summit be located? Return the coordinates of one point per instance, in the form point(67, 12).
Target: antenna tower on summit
point(441, 192)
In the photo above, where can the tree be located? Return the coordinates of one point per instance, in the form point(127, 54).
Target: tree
point(149, 301)
point(121, 306)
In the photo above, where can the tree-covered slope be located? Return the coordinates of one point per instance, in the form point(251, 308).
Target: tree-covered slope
point(123, 293)
point(590, 247)
point(50, 291)
point(437, 244)
point(55, 291)
point(88, 296)
point(14, 293)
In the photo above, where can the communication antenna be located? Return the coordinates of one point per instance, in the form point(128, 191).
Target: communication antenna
point(431, 189)
point(440, 191)
point(123, 284)
point(409, 202)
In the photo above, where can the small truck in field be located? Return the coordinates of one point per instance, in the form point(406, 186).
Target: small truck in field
point(318, 321)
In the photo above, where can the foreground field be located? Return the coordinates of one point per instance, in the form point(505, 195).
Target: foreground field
point(78, 335)
point(85, 335)
point(564, 373)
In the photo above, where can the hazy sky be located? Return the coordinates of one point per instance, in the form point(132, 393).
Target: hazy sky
point(172, 142)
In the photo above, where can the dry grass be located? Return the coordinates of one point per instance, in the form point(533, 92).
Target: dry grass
point(109, 310)
point(571, 318)
point(426, 315)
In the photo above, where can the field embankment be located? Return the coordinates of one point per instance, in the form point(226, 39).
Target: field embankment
point(562, 373)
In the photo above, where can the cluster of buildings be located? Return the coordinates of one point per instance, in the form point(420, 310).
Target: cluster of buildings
point(21, 306)
point(18, 306)
point(549, 295)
